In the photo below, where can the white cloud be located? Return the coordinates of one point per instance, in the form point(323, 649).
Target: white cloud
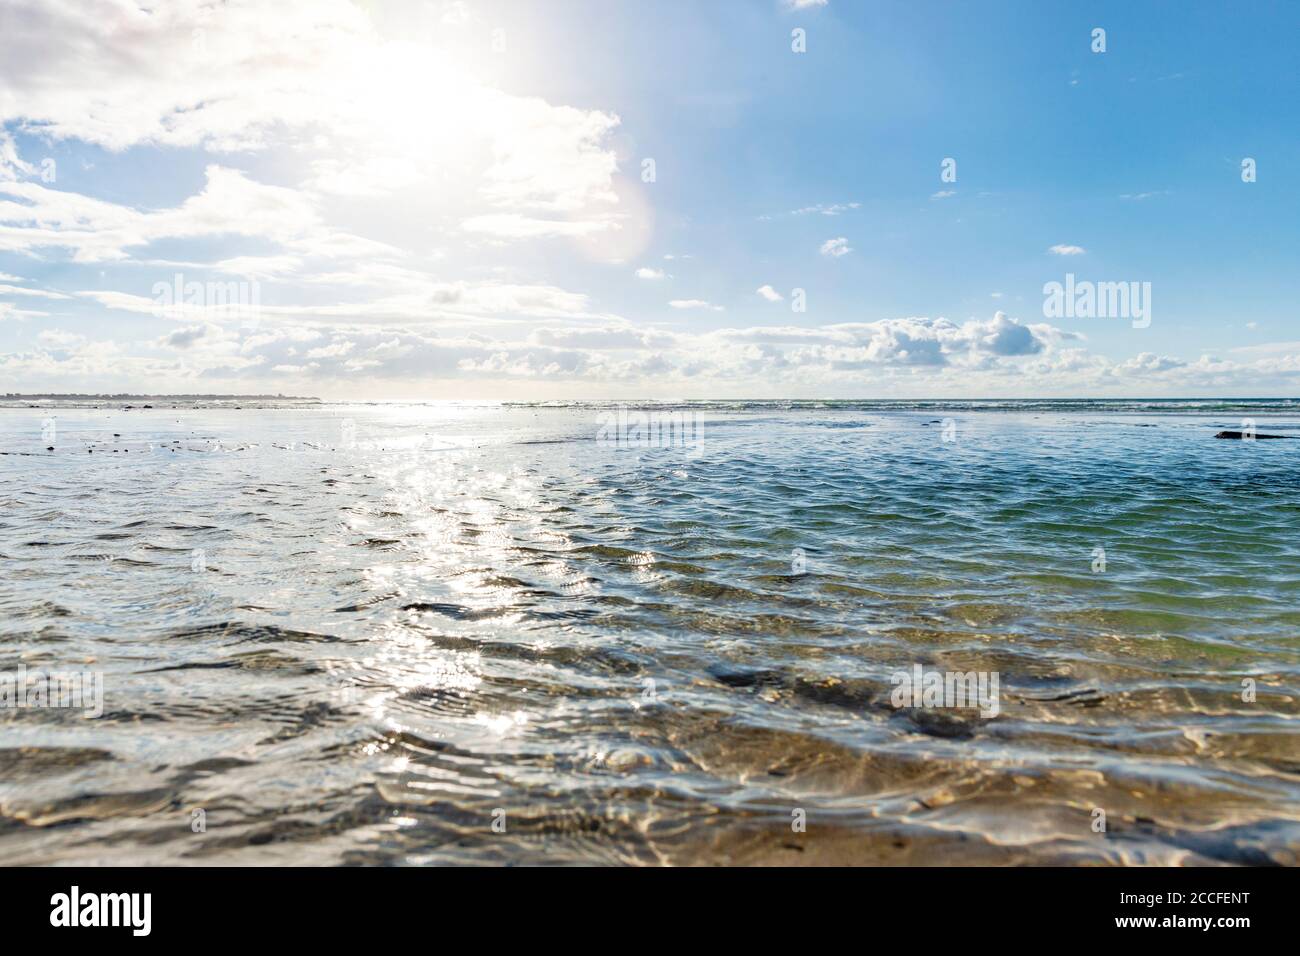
point(1150, 362)
point(36, 217)
point(59, 339)
point(694, 304)
point(943, 194)
point(184, 338)
point(10, 311)
point(336, 349)
point(369, 115)
point(116, 74)
point(767, 292)
point(414, 298)
point(258, 266)
point(455, 12)
point(832, 209)
point(917, 356)
point(516, 226)
point(1063, 250)
point(613, 337)
point(11, 166)
point(836, 247)
point(365, 176)
point(911, 342)
point(40, 293)
point(648, 273)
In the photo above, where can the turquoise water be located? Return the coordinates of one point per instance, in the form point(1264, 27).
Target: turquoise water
point(410, 623)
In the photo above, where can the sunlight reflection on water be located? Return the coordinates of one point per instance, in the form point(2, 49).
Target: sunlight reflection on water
point(414, 620)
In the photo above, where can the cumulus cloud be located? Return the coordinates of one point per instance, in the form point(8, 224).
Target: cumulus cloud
point(767, 292)
point(1004, 337)
point(603, 338)
point(648, 273)
point(1150, 362)
point(897, 343)
point(836, 247)
point(918, 355)
point(1064, 250)
point(184, 338)
point(311, 351)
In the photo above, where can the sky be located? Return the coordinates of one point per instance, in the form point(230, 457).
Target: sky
point(610, 200)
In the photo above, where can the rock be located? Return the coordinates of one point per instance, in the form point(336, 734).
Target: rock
point(1242, 435)
point(624, 760)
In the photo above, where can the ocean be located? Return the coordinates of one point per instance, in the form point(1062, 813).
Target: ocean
point(692, 633)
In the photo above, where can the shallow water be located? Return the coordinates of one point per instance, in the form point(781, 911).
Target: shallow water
point(410, 622)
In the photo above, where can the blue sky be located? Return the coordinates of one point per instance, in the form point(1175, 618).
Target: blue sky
point(446, 200)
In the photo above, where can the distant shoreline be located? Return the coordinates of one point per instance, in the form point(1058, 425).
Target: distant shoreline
point(133, 402)
point(131, 397)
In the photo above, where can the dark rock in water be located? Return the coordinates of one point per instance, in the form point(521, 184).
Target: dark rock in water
point(742, 676)
point(1242, 435)
point(935, 723)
